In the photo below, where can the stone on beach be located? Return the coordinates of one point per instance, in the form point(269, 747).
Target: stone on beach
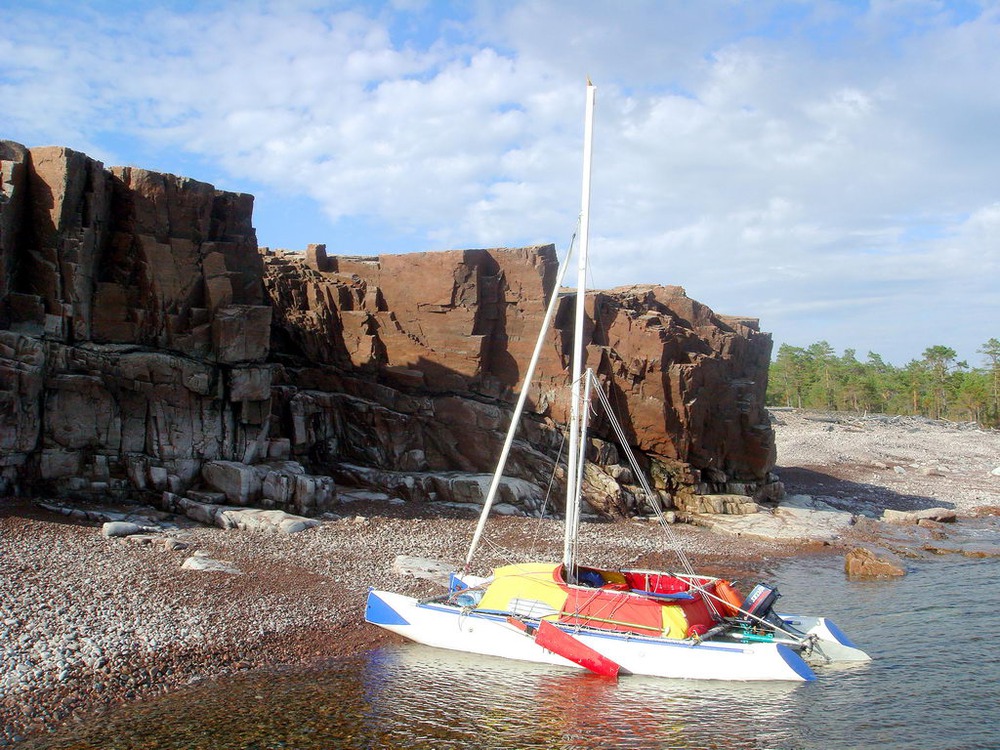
point(940, 515)
point(251, 519)
point(209, 565)
point(248, 519)
point(120, 528)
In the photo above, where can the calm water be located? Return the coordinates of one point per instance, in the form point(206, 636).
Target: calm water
point(935, 683)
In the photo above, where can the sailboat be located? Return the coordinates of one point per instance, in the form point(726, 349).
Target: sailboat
point(609, 621)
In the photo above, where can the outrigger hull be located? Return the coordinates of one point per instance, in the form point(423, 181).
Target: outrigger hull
point(492, 634)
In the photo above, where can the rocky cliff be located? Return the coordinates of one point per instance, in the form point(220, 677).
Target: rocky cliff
point(148, 346)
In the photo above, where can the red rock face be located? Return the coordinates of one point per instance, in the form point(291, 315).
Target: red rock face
point(146, 345)
point(688, 385)
point(460, 320)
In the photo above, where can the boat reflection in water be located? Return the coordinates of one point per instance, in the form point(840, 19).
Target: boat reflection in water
point(468, 700)
point(418, 697)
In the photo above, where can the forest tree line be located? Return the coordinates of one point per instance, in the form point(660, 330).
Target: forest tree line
point(937, 385)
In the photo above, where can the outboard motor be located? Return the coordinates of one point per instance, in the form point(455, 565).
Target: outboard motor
point(760, 603)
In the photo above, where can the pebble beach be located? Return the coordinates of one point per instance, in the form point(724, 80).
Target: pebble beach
point(88, 621)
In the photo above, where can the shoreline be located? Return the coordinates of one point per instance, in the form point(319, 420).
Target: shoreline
point(89, 622)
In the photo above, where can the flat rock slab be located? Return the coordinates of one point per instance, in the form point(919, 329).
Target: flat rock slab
point(798, 518)
point(969, 547)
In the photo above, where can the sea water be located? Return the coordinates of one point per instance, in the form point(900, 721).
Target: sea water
point(934, 683)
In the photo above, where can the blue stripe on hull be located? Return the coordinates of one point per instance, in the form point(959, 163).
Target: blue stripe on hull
point(377, 612)
point(796, 662)
point(839, 634)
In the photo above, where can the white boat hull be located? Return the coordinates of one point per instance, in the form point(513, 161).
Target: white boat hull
point(447, 626)
point(832, 645)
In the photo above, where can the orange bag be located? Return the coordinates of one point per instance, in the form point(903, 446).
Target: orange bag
point(731, 599)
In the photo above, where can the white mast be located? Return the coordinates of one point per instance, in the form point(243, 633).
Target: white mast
point(574, 459)
point(518, 410)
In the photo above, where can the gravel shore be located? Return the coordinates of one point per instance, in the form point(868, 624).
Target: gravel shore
point(88, 621)
point(870, 463)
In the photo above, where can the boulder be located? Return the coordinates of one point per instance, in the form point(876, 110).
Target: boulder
point(227, 517)
point(864, 563)
point(239, 482)
point(253, 519)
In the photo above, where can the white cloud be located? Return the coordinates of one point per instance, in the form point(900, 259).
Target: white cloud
point(810, 163)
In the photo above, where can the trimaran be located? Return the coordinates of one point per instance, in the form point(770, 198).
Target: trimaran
point(665, 624)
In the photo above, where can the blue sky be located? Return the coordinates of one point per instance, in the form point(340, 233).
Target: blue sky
point(828, 167)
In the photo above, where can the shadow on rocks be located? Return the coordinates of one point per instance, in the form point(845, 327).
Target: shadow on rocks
point(852, 494)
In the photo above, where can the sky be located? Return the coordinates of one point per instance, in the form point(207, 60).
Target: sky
point(831, 168)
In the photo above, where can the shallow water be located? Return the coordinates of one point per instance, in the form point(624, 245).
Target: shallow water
point(934, 683)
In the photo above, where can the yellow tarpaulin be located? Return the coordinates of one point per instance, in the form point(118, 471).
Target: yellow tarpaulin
point(529, 589)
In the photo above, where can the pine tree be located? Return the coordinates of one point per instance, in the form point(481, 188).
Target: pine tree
point(939, 360)
point(936, 385)
point(992, 351)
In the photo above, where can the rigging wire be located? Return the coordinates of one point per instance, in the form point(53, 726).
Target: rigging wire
point(548, 493)
point(503, 553)
point(673, 543)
